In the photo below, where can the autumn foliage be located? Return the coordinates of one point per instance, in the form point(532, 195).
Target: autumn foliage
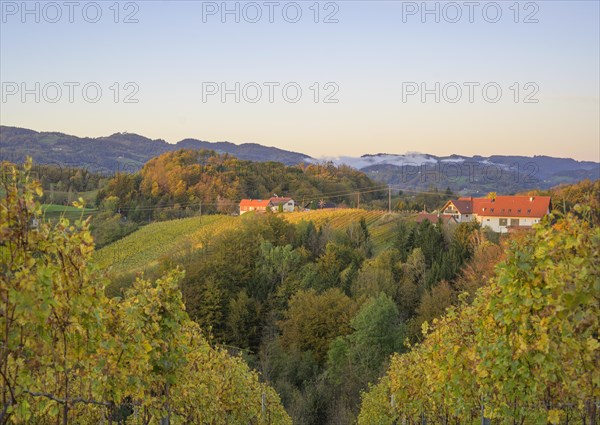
point(69, 354)
point(526, 350)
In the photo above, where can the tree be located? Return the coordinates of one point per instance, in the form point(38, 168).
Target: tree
point(526, 348)
point(313, 320)
point(243, 321)
point(412, 283)
point(377, 333)
point(69, 354)
point(52, 321)
point(434, 302)
point(374, 278)
point(275, 264)
point(542, 317)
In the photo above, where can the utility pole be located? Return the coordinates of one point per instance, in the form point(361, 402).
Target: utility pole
point(389, 199)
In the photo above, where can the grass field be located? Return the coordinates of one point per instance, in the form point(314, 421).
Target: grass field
point(144, 249)
point(54, 212)
point(58, 197)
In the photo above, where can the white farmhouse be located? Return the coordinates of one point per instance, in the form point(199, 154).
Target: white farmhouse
point(500, 213)
point(287, 204)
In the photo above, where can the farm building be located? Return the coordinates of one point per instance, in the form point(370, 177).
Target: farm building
point(500, 213)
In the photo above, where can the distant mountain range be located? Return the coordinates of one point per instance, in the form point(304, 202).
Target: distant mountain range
point(473, 175)
point(120, 151)
point(413, 171)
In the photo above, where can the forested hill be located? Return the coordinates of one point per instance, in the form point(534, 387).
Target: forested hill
point(179, 183)
point(120, 151)
point(466, 175)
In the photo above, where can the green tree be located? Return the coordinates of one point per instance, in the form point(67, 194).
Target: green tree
point(526, 349)
point(313, 320)
point(69, 354)
point(377, 333)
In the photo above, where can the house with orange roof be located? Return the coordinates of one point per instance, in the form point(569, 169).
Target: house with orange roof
point(258, 205)
point(276, 203)
point(500, 213)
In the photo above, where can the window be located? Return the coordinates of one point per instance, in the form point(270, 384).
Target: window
point(514, 221)
point(503, 221)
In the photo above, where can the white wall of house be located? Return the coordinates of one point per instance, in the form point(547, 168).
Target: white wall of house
point(250, 209)
point(501, 224)
point(288, 206)
point(463, 218)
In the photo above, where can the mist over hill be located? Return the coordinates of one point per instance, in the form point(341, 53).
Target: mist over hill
point(411, 171)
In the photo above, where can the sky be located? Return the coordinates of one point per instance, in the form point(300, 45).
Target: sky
point(322, 78)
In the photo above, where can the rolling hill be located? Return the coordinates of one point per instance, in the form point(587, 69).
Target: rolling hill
point(120, 151)
point(467, 175)
point(145, 248)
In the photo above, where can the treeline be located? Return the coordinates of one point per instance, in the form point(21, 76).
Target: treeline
point(71, 355)
point(63, 184)
point(525, 351)
point(316, 311)
point(178, 184)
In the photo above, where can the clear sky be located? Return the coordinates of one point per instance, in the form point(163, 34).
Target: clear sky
point(375, 61)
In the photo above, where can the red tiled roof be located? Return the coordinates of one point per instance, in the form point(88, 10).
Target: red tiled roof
point(255, 203)
point(504, 206)
point(276, 200)
point(512, 206)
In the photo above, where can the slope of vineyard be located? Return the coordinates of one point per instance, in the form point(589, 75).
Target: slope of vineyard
point(380, 223)
point(144, 248)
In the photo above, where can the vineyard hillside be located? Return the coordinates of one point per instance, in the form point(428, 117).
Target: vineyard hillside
point(144, 249)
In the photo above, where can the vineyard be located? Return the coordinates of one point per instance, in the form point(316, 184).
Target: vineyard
point(145, 248)
point(380, 223)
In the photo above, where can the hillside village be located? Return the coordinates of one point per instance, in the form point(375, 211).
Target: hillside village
point(501, 214)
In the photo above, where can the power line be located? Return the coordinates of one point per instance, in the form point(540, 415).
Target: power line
point(326, 195)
